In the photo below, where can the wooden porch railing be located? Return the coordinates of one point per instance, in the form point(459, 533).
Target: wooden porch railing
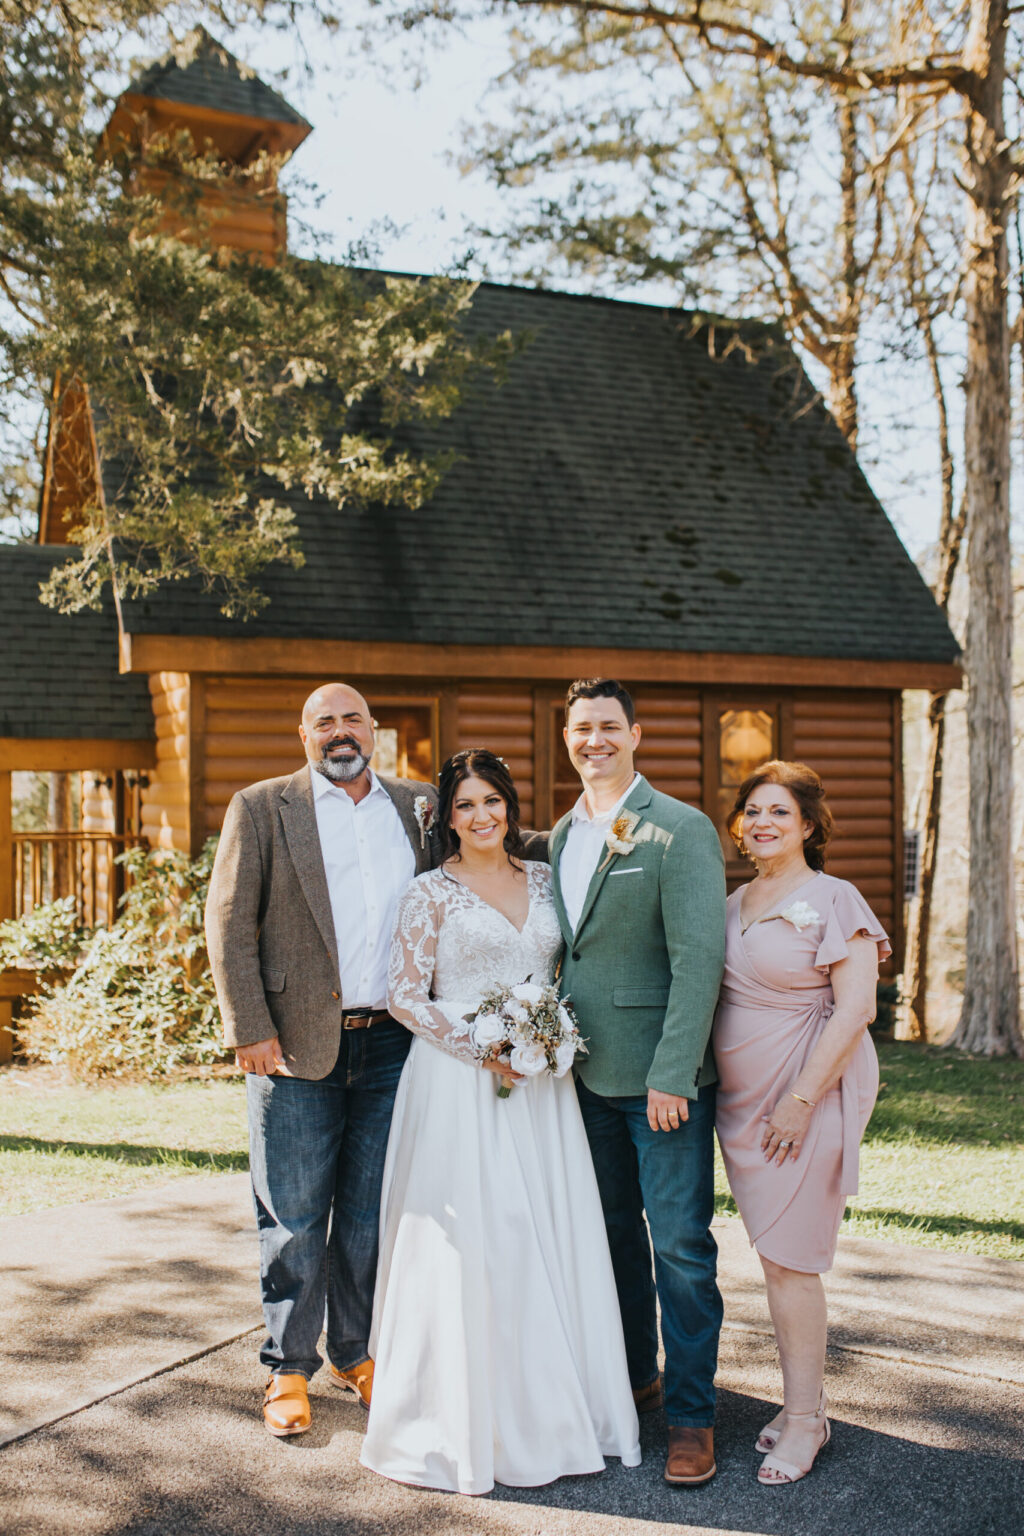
point(48, 865)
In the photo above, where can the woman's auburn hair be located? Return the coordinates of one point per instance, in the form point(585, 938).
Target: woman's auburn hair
point(478, 763)
point(807, 790)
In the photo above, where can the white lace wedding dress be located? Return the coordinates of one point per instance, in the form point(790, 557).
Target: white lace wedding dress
point(496, 1330)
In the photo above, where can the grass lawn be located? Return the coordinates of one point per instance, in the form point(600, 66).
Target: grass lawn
point(942, 1162)
point(63, 1142)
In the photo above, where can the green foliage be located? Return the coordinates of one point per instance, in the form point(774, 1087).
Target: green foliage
point(136, 999)
point(50, 938)
point(258, 379)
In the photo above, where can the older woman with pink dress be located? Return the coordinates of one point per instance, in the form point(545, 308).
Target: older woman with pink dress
point(797, 1075)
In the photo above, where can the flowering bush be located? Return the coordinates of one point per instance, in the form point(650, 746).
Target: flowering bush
point(135, 999)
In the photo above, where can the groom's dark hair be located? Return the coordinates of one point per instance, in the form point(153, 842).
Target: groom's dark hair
point(600, 688)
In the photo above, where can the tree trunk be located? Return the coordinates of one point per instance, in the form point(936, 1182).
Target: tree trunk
point(990, 1021)
point(913, 1025)
point(843, 358)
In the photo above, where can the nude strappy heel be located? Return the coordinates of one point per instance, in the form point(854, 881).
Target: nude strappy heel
point(769, 1435)
point(788, 1471)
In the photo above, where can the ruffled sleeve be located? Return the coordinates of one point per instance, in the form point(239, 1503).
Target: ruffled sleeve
point(411, 973)
point(849, 916)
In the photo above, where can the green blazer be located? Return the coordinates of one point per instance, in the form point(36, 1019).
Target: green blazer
point(644, 966)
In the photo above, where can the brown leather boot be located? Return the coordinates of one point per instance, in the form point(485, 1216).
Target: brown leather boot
point(357, 1379)
point(286, 1405)
point(650, 1398)
point(691, 1455)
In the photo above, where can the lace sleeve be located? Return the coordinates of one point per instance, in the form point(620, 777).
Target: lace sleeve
point(411, 972)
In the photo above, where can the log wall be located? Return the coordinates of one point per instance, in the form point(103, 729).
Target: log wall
point(854, 740)
point(166, 802)
point(244, 729)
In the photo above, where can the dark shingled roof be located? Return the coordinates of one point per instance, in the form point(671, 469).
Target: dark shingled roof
point(625, 488)
point(60, 676)
point(202, 73)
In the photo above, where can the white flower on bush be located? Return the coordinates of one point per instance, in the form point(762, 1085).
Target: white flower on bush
point(488, 1030)
point(565, 1055)
point(529, 1059)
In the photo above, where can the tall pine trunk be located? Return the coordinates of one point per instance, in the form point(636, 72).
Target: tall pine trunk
point(990, 1021)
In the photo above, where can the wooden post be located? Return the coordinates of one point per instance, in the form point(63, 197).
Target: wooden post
point(6, 901)
point(196, 764)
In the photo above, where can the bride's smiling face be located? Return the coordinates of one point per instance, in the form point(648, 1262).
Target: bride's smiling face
point(479, 815)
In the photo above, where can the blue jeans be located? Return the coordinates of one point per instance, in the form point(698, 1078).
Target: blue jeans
point(670, 1175)
point(317, 1161)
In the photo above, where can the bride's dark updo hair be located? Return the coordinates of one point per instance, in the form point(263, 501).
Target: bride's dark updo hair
point(477, 763)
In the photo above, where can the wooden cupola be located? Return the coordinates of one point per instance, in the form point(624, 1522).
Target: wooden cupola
point(202, 90)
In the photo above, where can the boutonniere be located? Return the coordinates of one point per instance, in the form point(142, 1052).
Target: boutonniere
point(620, 839)
point(423, 810)
point(801, 914)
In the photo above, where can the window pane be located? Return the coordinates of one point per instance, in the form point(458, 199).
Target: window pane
point(746, 738)
point(405, 747)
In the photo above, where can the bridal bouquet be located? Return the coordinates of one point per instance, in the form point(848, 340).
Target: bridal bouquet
point(529, 1026)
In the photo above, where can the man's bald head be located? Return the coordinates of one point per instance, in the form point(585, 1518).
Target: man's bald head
point(337, 733)
point(334, 698)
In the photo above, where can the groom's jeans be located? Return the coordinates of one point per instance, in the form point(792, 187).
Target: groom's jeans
point(317, 1161)
point(671, 1176)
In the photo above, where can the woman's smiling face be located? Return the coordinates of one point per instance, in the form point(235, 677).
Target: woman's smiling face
point(772, 825)
point(479, 814)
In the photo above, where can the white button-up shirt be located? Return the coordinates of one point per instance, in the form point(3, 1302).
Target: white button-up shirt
point(582, 850)
point(369, 862)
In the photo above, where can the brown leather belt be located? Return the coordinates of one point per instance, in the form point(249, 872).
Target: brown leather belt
point(362, 1018)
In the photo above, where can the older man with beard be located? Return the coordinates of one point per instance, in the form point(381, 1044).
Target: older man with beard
point(301, 907)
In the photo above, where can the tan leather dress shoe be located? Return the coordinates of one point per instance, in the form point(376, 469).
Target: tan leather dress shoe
point(691, 1455)
point(357, 1379)
point(286, 1405)
point(650, 1398)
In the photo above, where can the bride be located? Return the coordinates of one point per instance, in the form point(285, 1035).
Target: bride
point(496, 1332)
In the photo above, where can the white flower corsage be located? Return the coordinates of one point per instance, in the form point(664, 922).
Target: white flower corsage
point(620, 839)
point(801, 914)
point(423, 810)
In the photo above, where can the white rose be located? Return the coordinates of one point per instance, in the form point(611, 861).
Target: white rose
point(488, 1030)
point(516, 1012)
point(565, 1055)
point(528, 1059)
point(527, 992)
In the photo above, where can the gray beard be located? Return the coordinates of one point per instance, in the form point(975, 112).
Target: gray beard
point(343, 773)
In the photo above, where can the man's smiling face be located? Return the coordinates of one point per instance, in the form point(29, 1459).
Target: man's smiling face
point(337, 733)
point(601, 742)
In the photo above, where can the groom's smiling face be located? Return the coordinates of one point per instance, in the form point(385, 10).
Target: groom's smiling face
point(601, 741)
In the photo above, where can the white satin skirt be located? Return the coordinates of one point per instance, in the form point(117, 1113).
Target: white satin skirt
point(496, 1333)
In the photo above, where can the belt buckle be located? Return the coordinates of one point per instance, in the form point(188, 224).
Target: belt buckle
point(362, 1015)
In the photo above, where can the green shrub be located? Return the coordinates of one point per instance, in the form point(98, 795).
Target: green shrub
point(136, 999)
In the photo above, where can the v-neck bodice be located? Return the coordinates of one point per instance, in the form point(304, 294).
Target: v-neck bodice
point(451, 947)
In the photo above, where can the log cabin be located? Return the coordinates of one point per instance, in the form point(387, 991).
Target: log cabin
point(649, 494)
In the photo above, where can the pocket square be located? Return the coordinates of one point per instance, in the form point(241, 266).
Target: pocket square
point(636, 870)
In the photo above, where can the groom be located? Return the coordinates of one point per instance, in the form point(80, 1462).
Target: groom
point(640, 892)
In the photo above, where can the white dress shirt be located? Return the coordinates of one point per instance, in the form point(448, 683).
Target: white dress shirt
point(582, 849)
point(369, 862)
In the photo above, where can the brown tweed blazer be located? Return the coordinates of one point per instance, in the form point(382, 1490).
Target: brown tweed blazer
point(269, 929)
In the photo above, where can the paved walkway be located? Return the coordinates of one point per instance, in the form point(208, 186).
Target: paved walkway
point(129, 1385)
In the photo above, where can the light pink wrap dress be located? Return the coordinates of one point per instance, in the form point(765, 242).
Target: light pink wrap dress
point(776, 998)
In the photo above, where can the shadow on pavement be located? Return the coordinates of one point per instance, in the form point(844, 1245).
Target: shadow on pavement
point(186, 1453)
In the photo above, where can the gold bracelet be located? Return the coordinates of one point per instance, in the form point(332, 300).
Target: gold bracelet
point(799, 1096)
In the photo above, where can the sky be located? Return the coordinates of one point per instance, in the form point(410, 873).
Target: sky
point(383, 152)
